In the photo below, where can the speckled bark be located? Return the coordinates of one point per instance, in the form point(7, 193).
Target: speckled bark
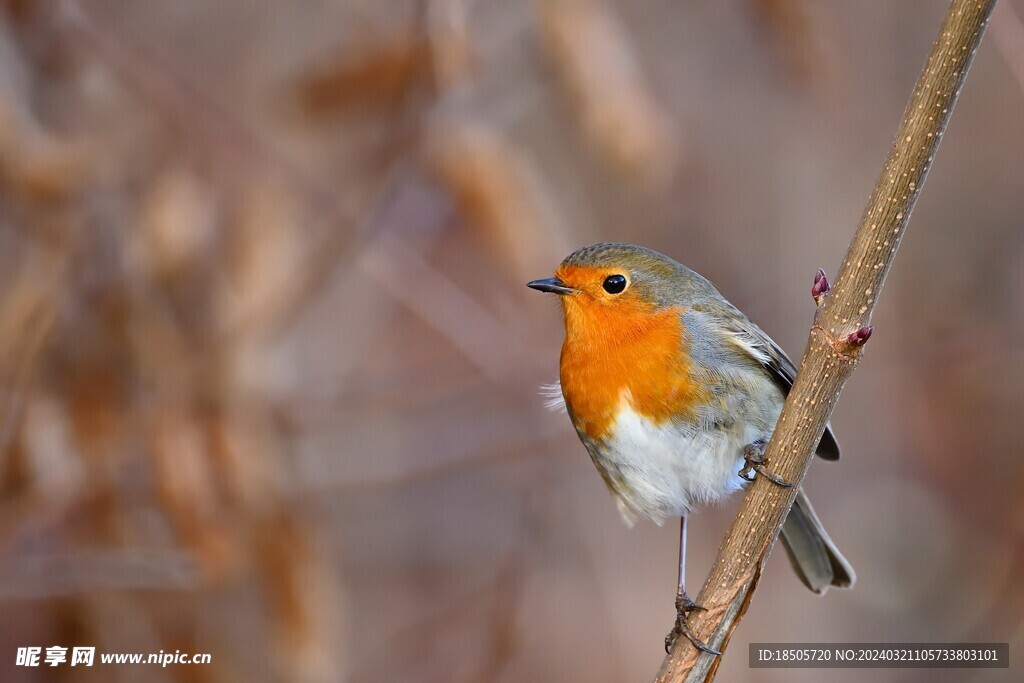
point(841, 326)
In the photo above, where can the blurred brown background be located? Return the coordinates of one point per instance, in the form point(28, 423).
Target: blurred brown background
point(269, 373)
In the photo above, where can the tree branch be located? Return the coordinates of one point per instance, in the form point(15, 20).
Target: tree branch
point(841, 327)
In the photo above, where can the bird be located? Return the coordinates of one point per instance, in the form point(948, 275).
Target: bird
point(675, 393)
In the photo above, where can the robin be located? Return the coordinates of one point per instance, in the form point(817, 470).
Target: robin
point(675, 393)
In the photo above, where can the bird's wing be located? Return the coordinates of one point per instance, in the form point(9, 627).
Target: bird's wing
point(752, 340)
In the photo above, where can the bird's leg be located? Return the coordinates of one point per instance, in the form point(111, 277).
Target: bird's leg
point(754, 461)
point(684, 605)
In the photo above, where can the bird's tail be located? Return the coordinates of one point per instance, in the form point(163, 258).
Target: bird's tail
point(814, 556)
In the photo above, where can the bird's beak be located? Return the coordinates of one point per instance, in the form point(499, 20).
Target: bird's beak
point(551, 284)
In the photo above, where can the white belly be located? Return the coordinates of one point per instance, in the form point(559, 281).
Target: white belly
point(659, 471)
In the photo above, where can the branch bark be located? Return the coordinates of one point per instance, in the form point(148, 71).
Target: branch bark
point(841, 326)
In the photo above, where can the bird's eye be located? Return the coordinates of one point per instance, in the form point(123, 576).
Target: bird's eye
point(614, 284)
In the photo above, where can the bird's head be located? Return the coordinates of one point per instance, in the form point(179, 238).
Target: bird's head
point(615, 288)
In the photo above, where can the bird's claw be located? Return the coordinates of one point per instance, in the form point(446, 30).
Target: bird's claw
point(684, 605)
point(754, 461)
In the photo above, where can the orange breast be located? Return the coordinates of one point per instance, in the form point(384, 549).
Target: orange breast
point(616, 353)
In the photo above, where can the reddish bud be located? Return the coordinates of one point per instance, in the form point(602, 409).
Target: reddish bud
point(860, 337)
point(821, 287)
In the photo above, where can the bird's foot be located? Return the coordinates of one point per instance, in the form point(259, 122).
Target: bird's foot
point(684, 605)
point(754, 461)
